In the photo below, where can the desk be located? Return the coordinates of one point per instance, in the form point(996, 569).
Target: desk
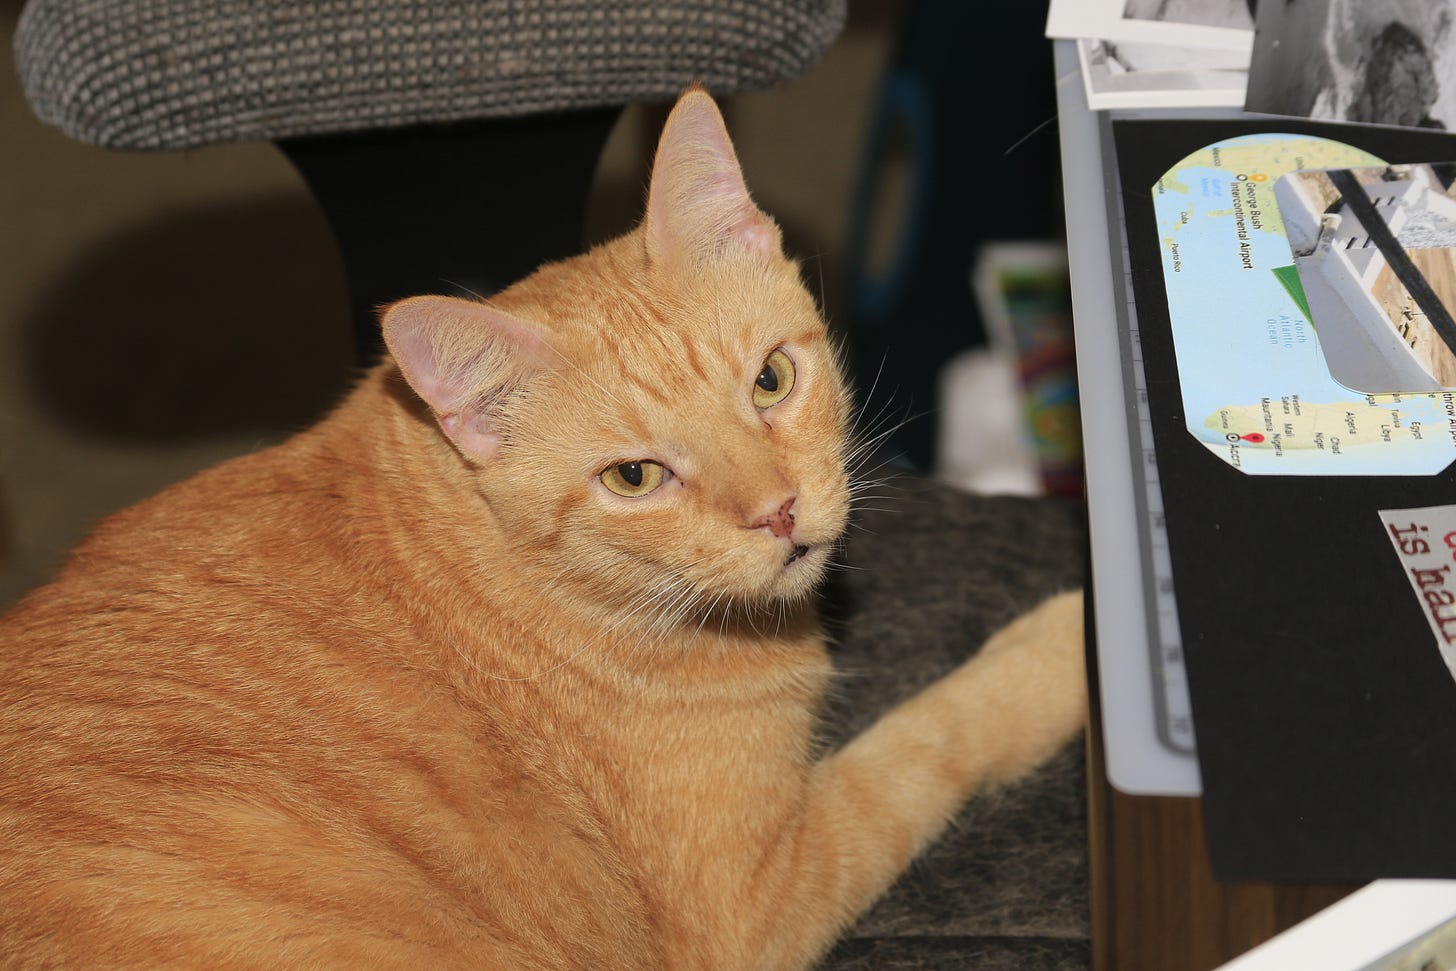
point(1155, 903)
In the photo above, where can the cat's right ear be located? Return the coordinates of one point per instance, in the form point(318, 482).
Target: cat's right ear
point(697, 202)
point(463, 357)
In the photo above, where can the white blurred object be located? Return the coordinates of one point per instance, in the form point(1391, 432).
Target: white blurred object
point(982, 443)
point(1388, 925)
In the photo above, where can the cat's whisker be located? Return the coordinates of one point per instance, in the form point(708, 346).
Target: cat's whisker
point(861, 470)
point(1024, 138)
point(647, 601)
point(876, 475)
point(669, 612)
point(897, 498)
point(818, 261)
point(678, 599)
point(729, 620)
point(870, 395)
point(861, 484)
point(861, 423)
point(531, 677)
point(708, 612)
point(464, 289)
point(865, 446)
point(877, 487)
point(861, 501)
point(867, 442)
point(648, 633)
point(857, 500)
point(665, 601)
point(873, 438)
point(886, 413)
point(687, 609)
point(669, 620)
point(881, 472)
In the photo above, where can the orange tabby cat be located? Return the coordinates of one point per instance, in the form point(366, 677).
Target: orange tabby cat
point(511, 662)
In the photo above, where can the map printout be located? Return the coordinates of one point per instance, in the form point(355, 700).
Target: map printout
point(1257, 391)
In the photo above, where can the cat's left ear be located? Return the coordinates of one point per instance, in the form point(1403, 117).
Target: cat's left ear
point(463, 358)
point(697, 204)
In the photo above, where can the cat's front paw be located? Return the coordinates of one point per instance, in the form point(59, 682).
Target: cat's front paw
point(1059, 621)
point(1044, 651)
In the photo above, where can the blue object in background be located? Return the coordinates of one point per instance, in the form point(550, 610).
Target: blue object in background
point(964, 125)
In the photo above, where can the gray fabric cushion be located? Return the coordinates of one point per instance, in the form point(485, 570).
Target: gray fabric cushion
point(157, 74)
point(1006, 887)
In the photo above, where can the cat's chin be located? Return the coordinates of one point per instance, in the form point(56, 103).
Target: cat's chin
point(801, 556)
point(801, 571)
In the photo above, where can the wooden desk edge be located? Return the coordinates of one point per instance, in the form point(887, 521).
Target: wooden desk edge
point(1155, 905)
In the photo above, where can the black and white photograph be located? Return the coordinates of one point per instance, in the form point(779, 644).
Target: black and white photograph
point(1217, 24)
point(1156, 75)
point(1387, 925)
point(1238, 14)
point(1435, 951)
point(1378, 62)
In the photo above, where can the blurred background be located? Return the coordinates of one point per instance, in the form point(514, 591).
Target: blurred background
point(160, 312)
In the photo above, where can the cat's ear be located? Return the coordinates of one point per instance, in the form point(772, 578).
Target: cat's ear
point(463, 357)
point(697, 203)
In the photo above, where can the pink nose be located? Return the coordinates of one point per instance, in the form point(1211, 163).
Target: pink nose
point(780, 522)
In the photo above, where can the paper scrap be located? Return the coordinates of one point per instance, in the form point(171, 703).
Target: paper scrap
point(1425, 541)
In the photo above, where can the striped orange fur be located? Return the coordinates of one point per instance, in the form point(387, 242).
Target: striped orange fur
point(417, 689)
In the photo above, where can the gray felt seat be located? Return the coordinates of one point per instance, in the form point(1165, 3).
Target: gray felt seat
point(167, 74)
point(936, 572)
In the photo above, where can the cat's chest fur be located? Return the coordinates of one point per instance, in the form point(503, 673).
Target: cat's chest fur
point(467, 746)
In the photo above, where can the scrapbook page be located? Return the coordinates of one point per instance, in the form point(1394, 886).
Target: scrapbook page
point(1325, 710)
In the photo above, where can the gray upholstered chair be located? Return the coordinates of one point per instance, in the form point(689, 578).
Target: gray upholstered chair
point(416, 123)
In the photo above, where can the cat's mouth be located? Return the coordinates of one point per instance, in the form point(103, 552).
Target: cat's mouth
point(799, 553)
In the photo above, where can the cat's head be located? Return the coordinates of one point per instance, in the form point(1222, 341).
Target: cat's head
point(662, 417)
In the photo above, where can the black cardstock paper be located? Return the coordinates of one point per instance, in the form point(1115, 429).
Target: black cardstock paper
point(1325, 717)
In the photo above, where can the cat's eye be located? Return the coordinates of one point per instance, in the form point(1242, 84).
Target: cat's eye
point(633, 479)
point(774, 382)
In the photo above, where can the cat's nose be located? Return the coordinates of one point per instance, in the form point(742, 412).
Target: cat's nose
point(780, 522)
